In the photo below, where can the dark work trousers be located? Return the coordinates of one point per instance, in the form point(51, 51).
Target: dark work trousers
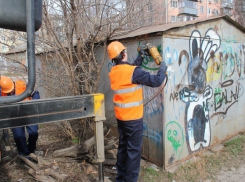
point(23, 147)
point(129, 150)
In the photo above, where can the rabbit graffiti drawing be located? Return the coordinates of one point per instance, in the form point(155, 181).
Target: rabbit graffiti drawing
point(197, 93)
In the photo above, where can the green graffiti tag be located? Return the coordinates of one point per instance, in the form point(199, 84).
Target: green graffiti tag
point(173, 140)
point(218, 97)
point(175, 136)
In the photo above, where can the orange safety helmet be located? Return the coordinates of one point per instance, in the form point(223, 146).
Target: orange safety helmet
point(114, 49)
point(7, 85)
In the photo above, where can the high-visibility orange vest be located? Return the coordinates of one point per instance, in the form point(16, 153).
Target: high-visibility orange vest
point(128, 97)
point(20, 87)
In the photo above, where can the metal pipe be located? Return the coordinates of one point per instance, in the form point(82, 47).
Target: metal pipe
point(101, 174)
point(30, 27)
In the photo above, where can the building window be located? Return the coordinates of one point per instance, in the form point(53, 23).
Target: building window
point(174, 4)
point(201, 9)
point(2, 38)
point(173, 18)
point(209, 11)
point(4, 48)
point(215, 11)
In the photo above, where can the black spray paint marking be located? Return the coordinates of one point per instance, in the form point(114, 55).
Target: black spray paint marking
point(197, 94)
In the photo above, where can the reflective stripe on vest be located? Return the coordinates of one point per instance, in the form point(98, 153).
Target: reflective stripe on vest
point(132, 104)
point(127, 90)
point(128, 97)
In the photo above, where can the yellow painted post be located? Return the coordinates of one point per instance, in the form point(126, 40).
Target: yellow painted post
point(99, 111)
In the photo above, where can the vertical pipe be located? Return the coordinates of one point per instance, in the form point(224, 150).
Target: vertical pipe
point(101, 174)
point(100, 150)
point(30, 27)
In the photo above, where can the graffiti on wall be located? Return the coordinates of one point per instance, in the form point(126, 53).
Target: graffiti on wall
point(154, 135)
point(175, 136)
point(226, 63)
point(197, 94)
point(152, 96)
point(226, 96)
point(155, 106)
point(207, 60)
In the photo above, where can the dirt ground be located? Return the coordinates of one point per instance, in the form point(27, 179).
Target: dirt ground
point(232, 175)
point(51, 138)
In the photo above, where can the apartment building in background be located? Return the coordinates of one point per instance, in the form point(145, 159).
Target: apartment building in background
point(169, 11)
point(185, 10)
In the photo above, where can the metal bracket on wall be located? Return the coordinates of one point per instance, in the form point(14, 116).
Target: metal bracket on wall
point(59, 109)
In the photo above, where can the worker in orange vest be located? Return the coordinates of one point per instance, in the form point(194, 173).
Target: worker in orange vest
point(126, 83)
point(8, 87)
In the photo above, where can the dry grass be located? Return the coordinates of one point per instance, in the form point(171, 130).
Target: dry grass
point(206, 167)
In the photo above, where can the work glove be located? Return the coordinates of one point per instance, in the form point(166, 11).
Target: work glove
point(143, 50)
point(163, 66)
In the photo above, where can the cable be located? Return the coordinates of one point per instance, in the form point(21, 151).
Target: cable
point(158, 91)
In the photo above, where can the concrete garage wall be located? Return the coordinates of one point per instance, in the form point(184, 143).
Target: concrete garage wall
point(204, 97)
point(203, 101)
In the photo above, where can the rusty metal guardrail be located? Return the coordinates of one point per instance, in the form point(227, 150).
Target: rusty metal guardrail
point(59, 109)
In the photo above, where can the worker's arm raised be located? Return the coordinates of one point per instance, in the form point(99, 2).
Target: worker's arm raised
point(145, 78)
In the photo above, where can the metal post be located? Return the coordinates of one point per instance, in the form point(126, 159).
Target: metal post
point(99, 111)
point(100, 150)
point(101, 174)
